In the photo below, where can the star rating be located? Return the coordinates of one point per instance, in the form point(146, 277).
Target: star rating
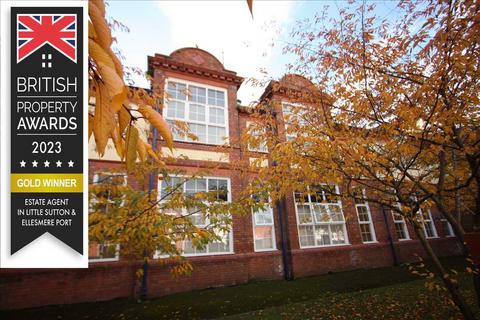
point(46, 163)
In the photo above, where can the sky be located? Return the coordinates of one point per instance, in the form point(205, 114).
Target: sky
point(223, 28)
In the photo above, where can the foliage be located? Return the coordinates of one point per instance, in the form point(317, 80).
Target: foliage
point(117, 106)
point(144, 223)
point(394, 109)
point(149, 224)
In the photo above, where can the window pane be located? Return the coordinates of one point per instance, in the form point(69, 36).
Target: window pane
point(220, 246)
point(219, 187)
point(358, 195)
point(330, 192)
point(321, 213)
point(176, 91)
point(197, 94)
point(400, 229)
point(322, 236)
point(263, 217)
point(216, 135)
point(199, 131)
point(194, 186)
point(447, 228)
point(306, 236)
point(189, 249)
point(196, 217)
point(429, 229)
point(168, 185)
point(176, 133)
point(397, 216)
point(338, 235)
point(366, 232)
point(327, 218)
point(102, 251)
point(362, 213)
point(216, 98)
point(304, 215)
point(301, 197)
point(316, 194)
point(196, 112)
point(217, 115)
point(176, 109)
point(335, 212)
point(263, 237)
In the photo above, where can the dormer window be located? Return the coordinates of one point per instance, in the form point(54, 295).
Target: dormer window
point(203, 108)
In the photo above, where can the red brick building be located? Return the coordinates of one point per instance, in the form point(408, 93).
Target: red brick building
point(284, 242)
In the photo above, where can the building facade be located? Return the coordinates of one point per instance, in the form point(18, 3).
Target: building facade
point(280, 243)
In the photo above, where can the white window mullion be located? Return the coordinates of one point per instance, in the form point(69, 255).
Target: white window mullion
point(219, 101)
point(334, 211)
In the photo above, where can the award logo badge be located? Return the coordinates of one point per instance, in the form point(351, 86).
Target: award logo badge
point(47, 92)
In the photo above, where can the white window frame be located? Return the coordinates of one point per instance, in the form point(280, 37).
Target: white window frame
point(116, 258)
point(117, 248)
point(207, 122)
point(290, 136)
point(369, 222)
point(259, 149)
point(450, 234)
point(423, 221)
point(313, 223)
point(184, 211)
point(403, 223)
point(271, 225)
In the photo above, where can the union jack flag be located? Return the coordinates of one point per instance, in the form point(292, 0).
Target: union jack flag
point(36, 30)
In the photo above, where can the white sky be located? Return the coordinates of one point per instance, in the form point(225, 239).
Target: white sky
point(223, 28)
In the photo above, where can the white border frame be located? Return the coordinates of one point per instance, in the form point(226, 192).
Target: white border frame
point(46, 251)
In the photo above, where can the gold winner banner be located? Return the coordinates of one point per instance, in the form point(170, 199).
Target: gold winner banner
point(46, 182)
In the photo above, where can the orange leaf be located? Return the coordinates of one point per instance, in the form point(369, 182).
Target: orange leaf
point(159, 123)
point(104, 36)
point(124, 119)
point(131, 152)
point(118, 142)
point(99, 55)
point(142, 150)
point(250, 6)
point(104, 119)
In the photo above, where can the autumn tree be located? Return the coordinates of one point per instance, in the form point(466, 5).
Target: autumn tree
point(394, 111)
point(158, 222)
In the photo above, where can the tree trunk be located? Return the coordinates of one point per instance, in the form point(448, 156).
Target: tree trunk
point(460, 233)
point(476, 284)
point(457, 297)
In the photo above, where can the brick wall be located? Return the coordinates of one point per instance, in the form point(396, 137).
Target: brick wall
point(109, 280)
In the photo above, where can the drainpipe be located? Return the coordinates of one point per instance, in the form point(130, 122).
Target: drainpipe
point(283, 221)
point(283, 233)
point(151, 181)
point(390, 238)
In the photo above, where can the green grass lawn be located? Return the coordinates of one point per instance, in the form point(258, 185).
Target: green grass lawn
point(384, 293)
